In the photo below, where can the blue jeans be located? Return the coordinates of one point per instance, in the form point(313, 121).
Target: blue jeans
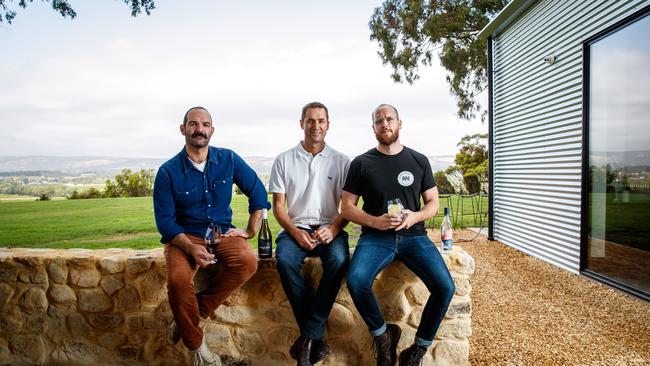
point(374, 252)
point(310, 309)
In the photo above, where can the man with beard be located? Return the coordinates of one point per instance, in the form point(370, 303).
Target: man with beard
point(192, 194)
point(385, 173)
point(308, 179)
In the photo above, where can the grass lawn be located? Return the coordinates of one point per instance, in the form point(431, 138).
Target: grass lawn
point(105, 223)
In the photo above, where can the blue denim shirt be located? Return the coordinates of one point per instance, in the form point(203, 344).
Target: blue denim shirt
point(187, 201)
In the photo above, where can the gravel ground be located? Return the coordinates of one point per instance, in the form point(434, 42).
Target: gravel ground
point(528, 312)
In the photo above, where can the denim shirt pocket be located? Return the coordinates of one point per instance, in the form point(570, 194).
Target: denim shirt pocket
point(188, 197)
point(221, 188)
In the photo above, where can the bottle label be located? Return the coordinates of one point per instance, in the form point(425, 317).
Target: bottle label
point(264, 248)
point(446, 244)
point(446, 235)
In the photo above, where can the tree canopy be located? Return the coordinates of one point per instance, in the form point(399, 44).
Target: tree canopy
point(411, 32)
point(472, 161)
point(63, 7)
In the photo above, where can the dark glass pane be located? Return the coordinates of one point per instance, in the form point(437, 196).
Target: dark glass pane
point(619, 156)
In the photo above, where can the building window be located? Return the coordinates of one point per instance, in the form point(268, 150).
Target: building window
point(618, 182)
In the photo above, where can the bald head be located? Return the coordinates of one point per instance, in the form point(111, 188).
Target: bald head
point(384, 105)
point(187, 114)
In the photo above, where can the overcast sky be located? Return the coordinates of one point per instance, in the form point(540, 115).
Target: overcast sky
point(107, 84)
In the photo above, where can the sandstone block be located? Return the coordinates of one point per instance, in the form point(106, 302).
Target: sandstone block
point(62, 294)
point(56, 330)
point(76, 353)
point(279, 314)
point(240, 315)
point(451, 352)
point(29, 348)
point(460, 306)
point(281, 338)
point(5, 352)
point(84, 276)
point(8, 271)
point(458, 328)
point(6, 293)
point(105, 321)
point(78, 325)
point(152, 286)
point(35, 323)
point(134, 321)
point(130, 352)
point(112, 264)
point(126, 299)
point(94, 300)
point(137, 264)
point(461, 262)
point(394, 305)
point(34, 300)
point(417, 294)
point(58, 270)
point(463, 285)
point(11, 321)
point(341, 320)
point(415, 316)
point(111, 340)
point(110, 284)
point(249, 342)
point(34, 269)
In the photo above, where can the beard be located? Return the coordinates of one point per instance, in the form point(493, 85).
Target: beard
point(387, 139)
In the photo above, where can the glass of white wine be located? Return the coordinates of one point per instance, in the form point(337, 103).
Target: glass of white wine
point(212, 238)
point(395, 207)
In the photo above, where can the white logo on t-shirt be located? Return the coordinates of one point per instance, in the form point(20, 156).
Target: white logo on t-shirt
point(405, 178)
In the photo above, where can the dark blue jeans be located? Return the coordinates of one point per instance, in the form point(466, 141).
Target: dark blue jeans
point(312, 309)
point(374, 252)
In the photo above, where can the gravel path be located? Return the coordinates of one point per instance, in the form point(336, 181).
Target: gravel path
point(528, 312)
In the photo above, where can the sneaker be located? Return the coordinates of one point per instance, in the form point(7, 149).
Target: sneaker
point(319, 350)
point(412, 356)
point(173, 333)
point(385, 345)
point(202, 356)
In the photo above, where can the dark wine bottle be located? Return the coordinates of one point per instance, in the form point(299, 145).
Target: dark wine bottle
point(264, 239)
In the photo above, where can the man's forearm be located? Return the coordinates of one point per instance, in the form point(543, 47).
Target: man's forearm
point(357, 215)
point(182, 242)
point(254, 223)
point(339, 223)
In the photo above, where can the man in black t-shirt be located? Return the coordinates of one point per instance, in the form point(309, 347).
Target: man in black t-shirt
point(388, 175)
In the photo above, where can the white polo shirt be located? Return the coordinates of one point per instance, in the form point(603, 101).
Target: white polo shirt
point(312, 184)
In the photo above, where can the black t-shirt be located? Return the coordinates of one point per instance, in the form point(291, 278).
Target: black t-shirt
point(377, 178)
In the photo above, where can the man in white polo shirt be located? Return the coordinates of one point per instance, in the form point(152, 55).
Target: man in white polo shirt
point(306, 183)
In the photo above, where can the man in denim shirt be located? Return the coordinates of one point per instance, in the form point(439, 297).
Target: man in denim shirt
point(192, 191)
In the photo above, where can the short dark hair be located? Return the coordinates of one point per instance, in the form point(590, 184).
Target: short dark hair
point(190, 110)
point(372, 116)
point(314, 105)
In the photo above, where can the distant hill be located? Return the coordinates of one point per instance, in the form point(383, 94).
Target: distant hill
point(101, 164)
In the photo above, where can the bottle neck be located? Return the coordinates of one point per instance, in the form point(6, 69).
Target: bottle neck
point(265, 214)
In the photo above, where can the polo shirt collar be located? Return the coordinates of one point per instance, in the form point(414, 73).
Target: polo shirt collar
point(301, 151)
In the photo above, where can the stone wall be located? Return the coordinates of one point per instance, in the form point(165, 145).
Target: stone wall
point(109, 307)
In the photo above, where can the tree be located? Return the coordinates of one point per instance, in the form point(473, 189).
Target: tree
point(472, 161)
point(443, 184)
point(7, 12)
point(410, 32)
point(130, 184)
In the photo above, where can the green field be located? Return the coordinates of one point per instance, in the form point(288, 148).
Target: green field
point(106, 223)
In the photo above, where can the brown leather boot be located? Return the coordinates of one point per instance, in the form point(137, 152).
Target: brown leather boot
point(385, 345)
point(412, 356)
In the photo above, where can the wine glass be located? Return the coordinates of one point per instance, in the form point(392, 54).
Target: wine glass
point(395, 207)
point(212, 238)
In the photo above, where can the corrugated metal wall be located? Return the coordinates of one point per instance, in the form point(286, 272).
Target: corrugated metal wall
point(537, 125)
